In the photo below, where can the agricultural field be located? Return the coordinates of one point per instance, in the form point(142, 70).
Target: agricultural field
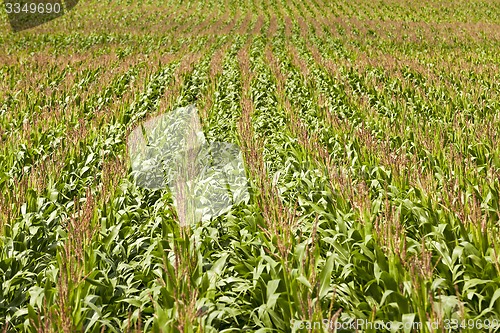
point(369, 132)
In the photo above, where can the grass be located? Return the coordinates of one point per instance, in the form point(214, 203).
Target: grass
point(369, 132)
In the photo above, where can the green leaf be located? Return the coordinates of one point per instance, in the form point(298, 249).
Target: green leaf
point(325, 276)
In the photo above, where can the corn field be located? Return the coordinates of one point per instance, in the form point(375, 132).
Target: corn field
point(369, 132)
